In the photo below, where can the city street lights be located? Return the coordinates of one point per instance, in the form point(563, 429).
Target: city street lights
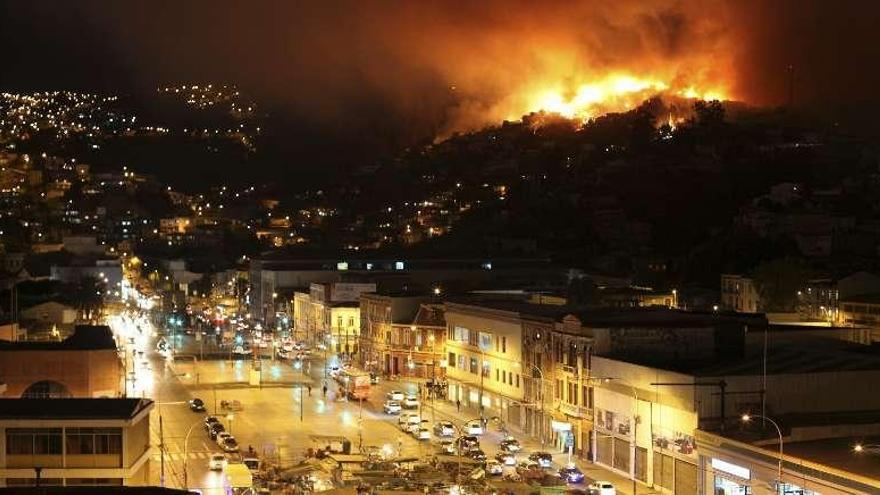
point(748, 417)
point(866, 447)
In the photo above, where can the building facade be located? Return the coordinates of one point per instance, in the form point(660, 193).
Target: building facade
point(74, 442)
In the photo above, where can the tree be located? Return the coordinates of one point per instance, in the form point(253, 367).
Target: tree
point(778, 281)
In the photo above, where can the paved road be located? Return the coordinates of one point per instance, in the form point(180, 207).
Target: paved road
point(279, 417)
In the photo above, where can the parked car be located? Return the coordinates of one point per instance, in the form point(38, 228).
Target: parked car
point(411, 402)
point(217, 462)
point(494, 468)
point(447, 447)
point(240, 350)
point(474, 427)
point(391, 407)
point(229, 444)
point(196, 405)
point(468, 442)
point(477, 455)
point(444, 429)
point(252, 463)
point(374, 379)
point(223, 435)
point(510, 444)
point(601, 488)
point(543, 459)
point(395, 395)
point(571, 474)
point(210, 420)
point(422, 434)
point(506, 458)
point(215, 429)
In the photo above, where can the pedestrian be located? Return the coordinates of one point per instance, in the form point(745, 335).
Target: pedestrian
point(324, 390)
point(310, 390)
point(458, 405)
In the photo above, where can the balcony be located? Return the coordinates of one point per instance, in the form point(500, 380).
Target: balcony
point(575, 411)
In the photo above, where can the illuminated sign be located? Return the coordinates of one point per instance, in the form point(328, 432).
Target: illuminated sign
point(726, 467)
point(560, 426)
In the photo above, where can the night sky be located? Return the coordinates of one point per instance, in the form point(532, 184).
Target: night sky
point(374, 76)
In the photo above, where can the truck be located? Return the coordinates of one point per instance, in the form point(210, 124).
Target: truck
point(356, 384)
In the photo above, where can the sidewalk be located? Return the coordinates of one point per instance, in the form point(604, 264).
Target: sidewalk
point(447, 410)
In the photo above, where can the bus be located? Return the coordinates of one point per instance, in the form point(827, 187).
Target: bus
point(355, 383)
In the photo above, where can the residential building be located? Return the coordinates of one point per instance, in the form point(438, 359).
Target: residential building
point(74, 442)
point(648, 409)
point(383, 316)
point(820, 299)
point(739, 293)
point(84, 365)
point(484, 359)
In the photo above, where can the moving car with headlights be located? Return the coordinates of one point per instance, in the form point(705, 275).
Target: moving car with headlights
point(444, 429)
point(391, 407)
point(221, 436)
point(601, 488)
point(543, 459)
point(571, 474)
point(217, 462)
point(196, 405)
point(510, 444)
point(411, 401)
point(395, 395)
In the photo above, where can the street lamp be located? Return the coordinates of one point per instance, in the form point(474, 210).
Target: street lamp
point(541, 394)
point(748, 417)
point(185, 451)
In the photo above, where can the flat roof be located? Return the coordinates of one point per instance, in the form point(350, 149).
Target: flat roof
point(72, 408)
point(84, 338)
point(782, 360)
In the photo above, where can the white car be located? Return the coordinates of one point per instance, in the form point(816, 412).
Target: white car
point(444, 429)
point(474, 427)
point(601, 488)
point(217, 462)
point(395, 395)
point(494, 468)
point(404, 418)
point(447, 447)
point(422, 434)
point(391, 407)
point(411, 402)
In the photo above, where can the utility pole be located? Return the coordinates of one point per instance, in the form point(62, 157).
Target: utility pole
point(790, 86)
point(161, 454)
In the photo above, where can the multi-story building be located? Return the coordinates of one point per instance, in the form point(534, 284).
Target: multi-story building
point(739, 293)
point(384, 316)
point(330, 314)
point(86, 364)
point(484, 359)
point(74, 442)
point(421, 344)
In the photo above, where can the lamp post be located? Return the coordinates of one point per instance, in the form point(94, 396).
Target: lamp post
point(748, 417)
point(185, 456)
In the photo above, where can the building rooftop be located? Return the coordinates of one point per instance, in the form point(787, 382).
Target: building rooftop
point(84, 338)
point(72, 408)
point(862, 298)
point(787, 359)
